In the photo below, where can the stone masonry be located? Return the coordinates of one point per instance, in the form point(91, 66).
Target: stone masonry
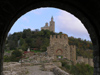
point(51, 27)
point(59, 48)
point(89, 61)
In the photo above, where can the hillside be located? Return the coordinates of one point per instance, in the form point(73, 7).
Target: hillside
point(40, 41)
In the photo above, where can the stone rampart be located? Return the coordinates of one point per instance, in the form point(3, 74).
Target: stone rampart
point(73, 53)
point(88, 61)
point(58, 37)
point(58, 71)
point(80, 59)
point(61, 39)
point(59, 64)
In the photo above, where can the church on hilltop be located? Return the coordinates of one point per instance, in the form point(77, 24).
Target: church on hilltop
point(51, 27)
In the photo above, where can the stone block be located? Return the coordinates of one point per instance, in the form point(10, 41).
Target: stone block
point(59, 64)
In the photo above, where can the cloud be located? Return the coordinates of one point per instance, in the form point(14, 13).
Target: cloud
point(69, 24)
point(25, 19)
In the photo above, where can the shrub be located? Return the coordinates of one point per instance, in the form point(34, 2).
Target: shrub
point(16, 55)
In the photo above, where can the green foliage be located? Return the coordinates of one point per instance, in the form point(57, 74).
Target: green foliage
point(78, 69)
point(80, 44)
point(28, 38)
point(7, 59)
point(40, 40)
point(84, 53)
point(36, 51)
point(16, 55)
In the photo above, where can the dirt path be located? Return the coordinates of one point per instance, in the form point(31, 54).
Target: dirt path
point(36, 70)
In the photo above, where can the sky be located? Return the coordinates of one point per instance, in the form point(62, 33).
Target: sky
point(64, 22)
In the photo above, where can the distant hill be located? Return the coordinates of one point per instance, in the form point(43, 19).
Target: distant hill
point(40, 40)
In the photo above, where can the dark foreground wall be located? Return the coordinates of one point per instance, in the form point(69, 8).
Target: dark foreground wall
point(88, 11)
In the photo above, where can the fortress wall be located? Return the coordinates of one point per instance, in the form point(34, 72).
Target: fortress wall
point(67, 52)
point(59, 39)
point(86, 60)
point(73, 53)
point(58, 71)
point(80, 59)
point(90, 62)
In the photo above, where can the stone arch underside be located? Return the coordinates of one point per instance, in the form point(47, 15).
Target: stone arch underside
point(87, 11)
point(59, 52)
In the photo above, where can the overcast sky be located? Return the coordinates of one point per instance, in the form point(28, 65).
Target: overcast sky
point(64, 22)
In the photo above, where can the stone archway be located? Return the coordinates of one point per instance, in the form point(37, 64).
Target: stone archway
point(87, 11)
point(59, 52)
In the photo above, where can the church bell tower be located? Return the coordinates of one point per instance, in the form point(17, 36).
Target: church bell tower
point(52, 25)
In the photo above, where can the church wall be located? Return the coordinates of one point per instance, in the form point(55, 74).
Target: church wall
point(44, 28)
point(51, 27)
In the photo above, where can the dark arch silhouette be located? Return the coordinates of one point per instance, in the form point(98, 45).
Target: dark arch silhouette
point(88, 11)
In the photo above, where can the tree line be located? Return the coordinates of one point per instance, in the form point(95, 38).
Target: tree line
point(40, 40)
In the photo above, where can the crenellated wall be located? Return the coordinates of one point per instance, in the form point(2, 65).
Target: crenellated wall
point(59, 47)
point(81, 59)
point(62, 39)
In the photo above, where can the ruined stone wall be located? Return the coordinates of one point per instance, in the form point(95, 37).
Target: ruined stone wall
point(58, 71)
point(80, 59)
point(88, 61)
point(73, 53)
